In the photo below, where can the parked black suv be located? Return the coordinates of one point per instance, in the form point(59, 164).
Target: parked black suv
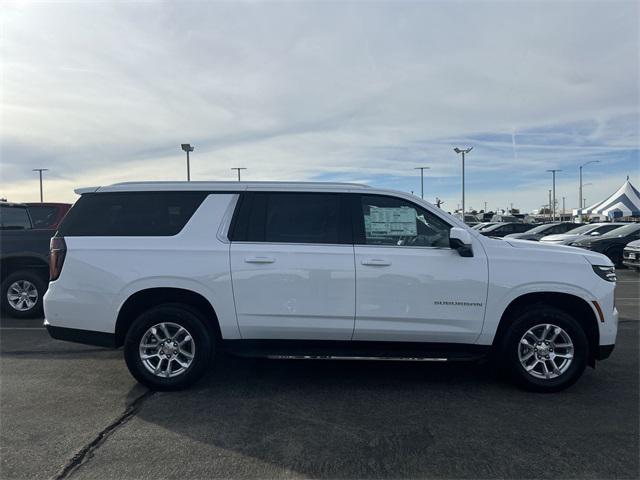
point(612, 243)
point(24, 262)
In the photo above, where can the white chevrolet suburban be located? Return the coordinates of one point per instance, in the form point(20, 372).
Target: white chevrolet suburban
point(177, 271)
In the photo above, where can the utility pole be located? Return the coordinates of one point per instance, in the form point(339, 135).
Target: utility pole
point(549, 204)
point(553, 172)
point(485, 207)
point(40, 170)
point(580, 198)
point(187, 148)
point(238, 169)
point(422, 169)
point(563, 205)
point(463, 152)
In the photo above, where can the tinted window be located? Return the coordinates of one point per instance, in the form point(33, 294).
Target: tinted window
point(521, 227)
point(43, 216)
point(393, 221)
point(290, 217)
point(131, 214)
point(14, 218)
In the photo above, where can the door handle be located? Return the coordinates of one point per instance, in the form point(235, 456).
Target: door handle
point(376, 262)
point(259, 259)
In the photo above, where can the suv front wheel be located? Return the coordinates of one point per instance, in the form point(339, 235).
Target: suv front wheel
point(168, 347)
point(545, 349)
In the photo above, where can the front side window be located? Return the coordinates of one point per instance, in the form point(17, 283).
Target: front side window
point(393, 221)
point(292, 217)
point(14, 218)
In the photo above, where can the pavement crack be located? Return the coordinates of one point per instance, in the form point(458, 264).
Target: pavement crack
point(86, 452)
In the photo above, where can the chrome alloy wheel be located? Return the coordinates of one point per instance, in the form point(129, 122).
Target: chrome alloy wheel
point(22, 295)
point(545, 351)
point(167, 350)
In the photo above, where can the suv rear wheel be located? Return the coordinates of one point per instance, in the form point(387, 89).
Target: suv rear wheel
point(545, 349)
point(168, 347)
point(22, 293)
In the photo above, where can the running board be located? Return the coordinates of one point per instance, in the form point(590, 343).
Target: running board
point(355, 350)
point(346, 357)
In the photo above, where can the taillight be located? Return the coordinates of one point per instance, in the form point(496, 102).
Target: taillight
point(57, 253)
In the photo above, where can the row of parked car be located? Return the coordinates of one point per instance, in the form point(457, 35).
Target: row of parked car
point(617, 240)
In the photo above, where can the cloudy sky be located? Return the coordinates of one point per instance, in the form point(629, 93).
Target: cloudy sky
point(99, 92)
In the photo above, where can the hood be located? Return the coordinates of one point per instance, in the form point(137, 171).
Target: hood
point(562, 236)
point(635, 244)
point(593, 258)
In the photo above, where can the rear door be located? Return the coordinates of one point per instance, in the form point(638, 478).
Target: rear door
point(292, 266)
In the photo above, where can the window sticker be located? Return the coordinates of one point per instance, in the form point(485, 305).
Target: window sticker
point(390, 222)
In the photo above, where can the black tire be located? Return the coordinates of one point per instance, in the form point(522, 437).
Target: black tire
point(33, 278)
point(541, 315)
point(183, 316)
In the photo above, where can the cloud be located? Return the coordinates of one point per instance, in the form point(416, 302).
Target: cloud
point(106, 92)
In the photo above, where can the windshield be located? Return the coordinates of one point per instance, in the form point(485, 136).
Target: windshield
point(542, 228)
point(622, 231)
point(583, 229)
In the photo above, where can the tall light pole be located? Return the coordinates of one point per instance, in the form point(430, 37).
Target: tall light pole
point(563, 205)
point(580, 193)
point(553, 172)
point(187, 148)
point(40, 170)
point(238, 169)
point(584, 200)
point(463, 151)
point(422, 169)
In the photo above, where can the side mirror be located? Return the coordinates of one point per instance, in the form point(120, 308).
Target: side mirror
point(595, 234)
point(460, 240)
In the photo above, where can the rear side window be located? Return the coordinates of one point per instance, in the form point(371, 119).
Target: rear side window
point(43, 216)
point(291, 217)
point(14, 218)
point(130, 214)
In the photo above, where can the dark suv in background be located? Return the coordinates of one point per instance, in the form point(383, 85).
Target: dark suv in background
point(25, 233)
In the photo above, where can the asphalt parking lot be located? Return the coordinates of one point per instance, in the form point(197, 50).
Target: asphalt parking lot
point(72, 411)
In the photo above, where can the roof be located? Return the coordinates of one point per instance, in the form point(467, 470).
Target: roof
point(625, 202)
point(219, 186)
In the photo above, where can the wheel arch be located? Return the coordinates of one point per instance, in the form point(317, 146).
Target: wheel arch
point(143, 300)
point(570, 304)
point(12, 264)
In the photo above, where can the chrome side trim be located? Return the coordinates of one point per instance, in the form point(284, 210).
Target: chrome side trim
point(346, 357)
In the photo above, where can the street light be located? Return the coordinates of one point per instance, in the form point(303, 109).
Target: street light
point(584, 200)
point(238, 169)
point(422, 169)
point(584, 165)
point(40, 170)
point(187, 148)
point(553, 171)
point(463, 151)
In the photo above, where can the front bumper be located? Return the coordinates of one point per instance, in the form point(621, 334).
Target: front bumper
point(631, 258)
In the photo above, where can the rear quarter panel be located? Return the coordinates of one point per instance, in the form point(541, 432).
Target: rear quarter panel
point(101, 273)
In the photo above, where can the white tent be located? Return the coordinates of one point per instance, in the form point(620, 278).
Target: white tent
point(624, 203)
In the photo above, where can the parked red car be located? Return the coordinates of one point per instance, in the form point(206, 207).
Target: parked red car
point(47, 215)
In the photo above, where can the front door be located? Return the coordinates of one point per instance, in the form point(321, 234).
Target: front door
point(410, 285)
point(292, 266)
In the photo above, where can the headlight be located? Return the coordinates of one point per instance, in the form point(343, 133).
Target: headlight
point(606, 273)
